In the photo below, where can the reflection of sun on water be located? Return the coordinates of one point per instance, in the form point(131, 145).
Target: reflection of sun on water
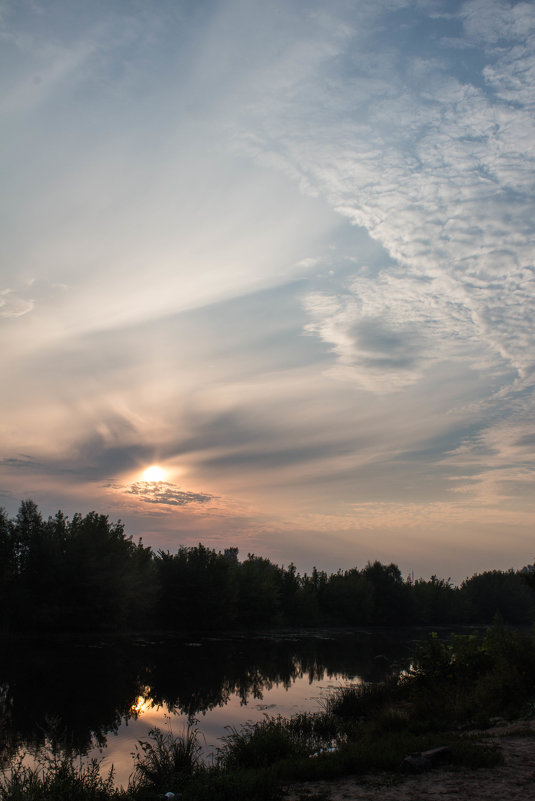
point(304, 694)
point(142, 703)
point(154, 473)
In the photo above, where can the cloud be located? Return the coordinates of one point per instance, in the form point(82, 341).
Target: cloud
point(162, 213)
point(386, 329)
point(493, 21)
point(13, 305)
point(284, 248)
point(526, 440)
point(167, 494)
point(436, 169)
point(22, 462)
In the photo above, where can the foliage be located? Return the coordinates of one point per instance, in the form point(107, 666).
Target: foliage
point(261, 584)
point(498, 592)
point(85, 574)
point(197, 589)
point(79, 574)
point(436, 601)
point(390, 594)
point(349, 596)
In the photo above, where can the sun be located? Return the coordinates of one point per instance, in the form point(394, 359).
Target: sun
point(154, 473)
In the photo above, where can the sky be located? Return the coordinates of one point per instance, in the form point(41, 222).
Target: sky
point(285, 252)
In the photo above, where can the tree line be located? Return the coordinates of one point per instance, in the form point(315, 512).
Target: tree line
point(86, 574)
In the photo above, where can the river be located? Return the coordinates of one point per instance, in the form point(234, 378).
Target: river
point(104, 695)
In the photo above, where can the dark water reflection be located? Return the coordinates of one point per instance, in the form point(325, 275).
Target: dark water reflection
point(93, 688)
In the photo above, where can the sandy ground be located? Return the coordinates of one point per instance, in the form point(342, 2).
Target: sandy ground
point(509, 782)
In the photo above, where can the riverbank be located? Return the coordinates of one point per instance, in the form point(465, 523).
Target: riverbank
point(514, 780)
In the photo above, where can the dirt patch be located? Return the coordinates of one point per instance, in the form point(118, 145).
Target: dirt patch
point(509, 782)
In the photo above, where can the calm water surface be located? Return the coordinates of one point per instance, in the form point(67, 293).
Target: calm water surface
point(106, 695)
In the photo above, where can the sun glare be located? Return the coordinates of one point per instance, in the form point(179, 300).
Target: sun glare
point(154, 473)
point(142, 703)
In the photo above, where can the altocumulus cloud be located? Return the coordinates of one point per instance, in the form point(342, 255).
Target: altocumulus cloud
point(386, 329)
point(432, 153)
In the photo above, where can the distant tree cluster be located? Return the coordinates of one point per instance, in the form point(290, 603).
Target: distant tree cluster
point(85, 574)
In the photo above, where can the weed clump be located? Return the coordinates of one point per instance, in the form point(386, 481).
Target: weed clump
point(274, 739)
point(57, 775)
point(165, 762)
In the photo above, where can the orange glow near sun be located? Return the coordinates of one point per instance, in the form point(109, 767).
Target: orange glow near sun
point(154, 473)
point(142, 703)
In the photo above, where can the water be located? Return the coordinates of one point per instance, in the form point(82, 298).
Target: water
point(106, 695)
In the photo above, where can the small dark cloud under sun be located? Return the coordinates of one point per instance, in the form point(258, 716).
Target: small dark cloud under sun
point(163, 492)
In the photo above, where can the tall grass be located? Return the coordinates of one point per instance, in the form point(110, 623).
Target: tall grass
point(257, 745)
point(57, 777)
point(166, 762)
point(358, 701)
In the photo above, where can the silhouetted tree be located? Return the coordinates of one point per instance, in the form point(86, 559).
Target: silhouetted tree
point(86, 574)
point(435, 601)
point(528, 576)
point(25, 531)
point(290, 591)
point(260, 591)
point(348, 597)
point(391, 596)
point(8, 569)
point(197, 589)
point(100, 572)
point(497, 592)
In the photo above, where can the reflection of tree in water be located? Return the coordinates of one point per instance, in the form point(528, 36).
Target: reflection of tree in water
point(89, 690)
point(193, 680)
point(7, 739)
point(196, 680)
point(92, 690)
